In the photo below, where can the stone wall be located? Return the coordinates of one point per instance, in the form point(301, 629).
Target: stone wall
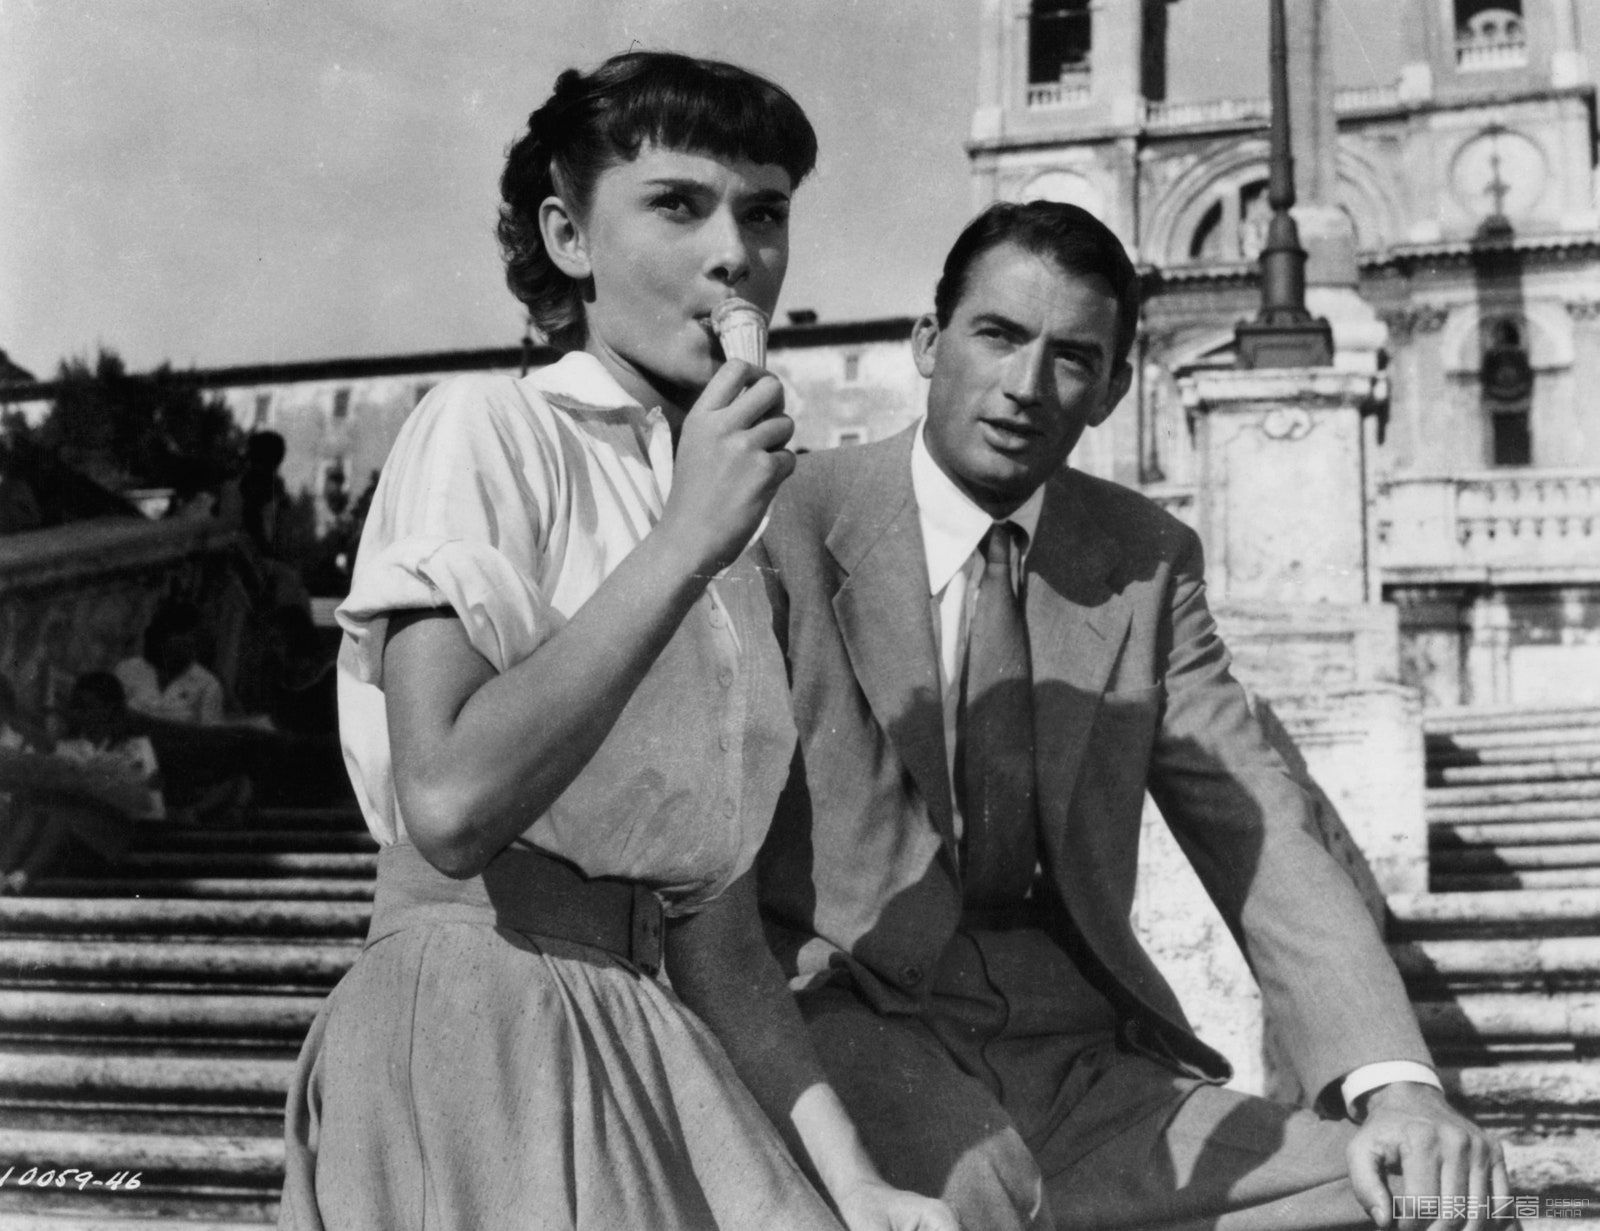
point(77, 598)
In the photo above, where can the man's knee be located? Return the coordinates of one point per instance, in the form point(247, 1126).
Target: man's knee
point(996, 1185)
point(929, 1127)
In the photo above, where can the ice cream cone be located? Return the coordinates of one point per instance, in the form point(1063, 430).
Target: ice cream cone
point(742, 329)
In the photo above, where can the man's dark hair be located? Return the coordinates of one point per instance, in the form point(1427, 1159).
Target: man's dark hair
point(600, 119)
point(99, 686)
point(1070, 236)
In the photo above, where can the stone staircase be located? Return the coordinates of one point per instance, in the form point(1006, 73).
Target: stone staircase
point(1502, 957)
point(149, 1023)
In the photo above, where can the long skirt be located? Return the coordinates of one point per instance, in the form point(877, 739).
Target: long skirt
point(465, 1074)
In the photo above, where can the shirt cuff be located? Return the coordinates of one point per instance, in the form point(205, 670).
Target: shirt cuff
point(1369, 1077)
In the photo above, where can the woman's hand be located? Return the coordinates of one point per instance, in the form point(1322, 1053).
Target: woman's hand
point(873, 1205)
point(730, 461)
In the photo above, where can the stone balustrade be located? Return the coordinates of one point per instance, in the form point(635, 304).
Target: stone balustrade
point(1489, 55)
point(1509, 528)
point(77, 597)
point(1072, 90)
point(1249, 110)
point(1522, 527)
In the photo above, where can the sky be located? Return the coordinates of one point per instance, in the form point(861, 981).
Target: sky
point(213, 182)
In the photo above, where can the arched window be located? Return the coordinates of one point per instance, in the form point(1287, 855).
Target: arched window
point(1506, 377)
point(1234, 226)
point(1490, 34)
point(1058, 39)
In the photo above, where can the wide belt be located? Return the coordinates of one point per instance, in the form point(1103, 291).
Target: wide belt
point(526, 891)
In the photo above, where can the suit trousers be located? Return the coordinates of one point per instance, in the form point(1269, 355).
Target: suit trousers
point(1010, 1097)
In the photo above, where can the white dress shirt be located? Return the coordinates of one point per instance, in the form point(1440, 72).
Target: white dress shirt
point(952, 527)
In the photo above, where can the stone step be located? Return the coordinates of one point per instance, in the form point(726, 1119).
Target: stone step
point(111, 1220)
point(168, 837)
point(331, 888)
point(1535, 962)
point(341, 816)
point(1513, 793)
point(1495, 814)
point(1479, 719)
point(1571, 769)
point(1446, 752)
point(1552, 1092)
point(1511, 833)
point(1480, 1018)
point(171, 917)
point(172, 1016)
point(1555, 1167)
point(1570, 912)
point(85, 1219)
point(161, 1162)
point(1499, 858)
point(1538, 879)
point(253, 1084)
point(203, 864)
point(148, 963)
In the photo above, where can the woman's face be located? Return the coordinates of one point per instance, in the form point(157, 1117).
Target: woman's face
point(670, 235)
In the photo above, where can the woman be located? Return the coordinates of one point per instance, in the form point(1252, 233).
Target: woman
point(563, 710)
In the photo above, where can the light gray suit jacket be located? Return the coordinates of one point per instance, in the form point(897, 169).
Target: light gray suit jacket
point(1132, 690)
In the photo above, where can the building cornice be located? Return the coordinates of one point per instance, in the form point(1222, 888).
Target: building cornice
point(370, 367)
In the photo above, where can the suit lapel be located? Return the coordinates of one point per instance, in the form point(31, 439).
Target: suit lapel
point(884, 615)
point(1076, 627)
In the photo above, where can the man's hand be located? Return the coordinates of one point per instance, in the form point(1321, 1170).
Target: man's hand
point(875, 1206)
point(1413, 1144)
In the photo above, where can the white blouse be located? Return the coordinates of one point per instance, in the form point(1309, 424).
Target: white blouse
point(509, 501)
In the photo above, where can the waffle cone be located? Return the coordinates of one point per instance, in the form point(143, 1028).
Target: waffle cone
point(742, 329)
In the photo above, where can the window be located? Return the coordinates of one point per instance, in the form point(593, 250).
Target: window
point(263, 409)
point(1490, 34)
point(852, 365)
point(1513, 439)
point(1506, 378)
point(1058, 40)
point(341, 403)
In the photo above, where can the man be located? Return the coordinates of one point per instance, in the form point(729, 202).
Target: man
point(993, 657)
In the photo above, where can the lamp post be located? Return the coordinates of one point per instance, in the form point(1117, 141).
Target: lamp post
point(1283, 334)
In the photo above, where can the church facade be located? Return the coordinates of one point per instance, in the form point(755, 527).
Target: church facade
point(1449, 213)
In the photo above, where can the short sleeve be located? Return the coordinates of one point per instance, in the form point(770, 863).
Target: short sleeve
point(459, 520)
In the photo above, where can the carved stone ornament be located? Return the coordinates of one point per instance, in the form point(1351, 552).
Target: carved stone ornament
point(1286, 423)
point(1415, 318)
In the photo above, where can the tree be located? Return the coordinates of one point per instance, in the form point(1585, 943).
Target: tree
point(123, 429)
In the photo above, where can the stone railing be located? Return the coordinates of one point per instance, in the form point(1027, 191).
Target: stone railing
point(1211, 111)
point(77, 597)
point(1482, 55)
point(1071, 91)
point(1241, 110)
point(1530, 525)
point(1367, 98)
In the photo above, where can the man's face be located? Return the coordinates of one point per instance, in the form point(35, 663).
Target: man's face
point(1027, 362)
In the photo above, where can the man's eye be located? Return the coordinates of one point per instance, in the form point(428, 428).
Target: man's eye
point(768, 216)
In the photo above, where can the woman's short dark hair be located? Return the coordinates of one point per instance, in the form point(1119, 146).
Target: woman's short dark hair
point(1069, 235)
point(599, 119)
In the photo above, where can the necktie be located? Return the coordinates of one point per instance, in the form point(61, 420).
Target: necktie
point(994, 738)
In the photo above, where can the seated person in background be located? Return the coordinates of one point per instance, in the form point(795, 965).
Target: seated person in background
point(168, 682)
point(18, 733)
point(300, 689)
point(101, 777)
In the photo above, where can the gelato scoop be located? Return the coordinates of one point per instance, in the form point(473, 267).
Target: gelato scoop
point(742, 329)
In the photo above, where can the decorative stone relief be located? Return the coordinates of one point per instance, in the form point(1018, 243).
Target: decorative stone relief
point(1414, 319)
